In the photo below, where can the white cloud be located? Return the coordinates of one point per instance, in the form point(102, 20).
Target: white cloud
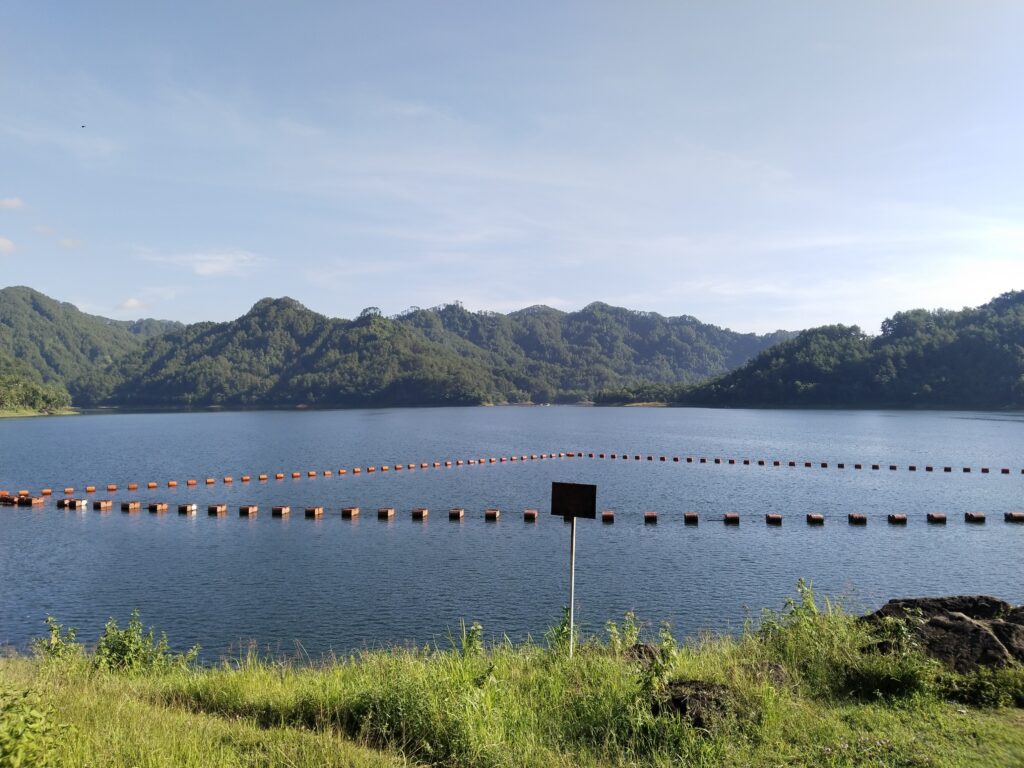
point(6, 246)
point(132, 303)
point(11, 203)
point(70, 242)
point(215, 263)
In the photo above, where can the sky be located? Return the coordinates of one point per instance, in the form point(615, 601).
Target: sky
point(758, 165)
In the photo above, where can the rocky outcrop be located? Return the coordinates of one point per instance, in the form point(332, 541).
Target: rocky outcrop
point(964, 632)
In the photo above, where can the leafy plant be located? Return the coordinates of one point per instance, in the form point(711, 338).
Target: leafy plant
point(28, 735)
point(133, 650)
point(59, 644)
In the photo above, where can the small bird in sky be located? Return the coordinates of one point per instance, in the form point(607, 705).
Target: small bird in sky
point(83, 126)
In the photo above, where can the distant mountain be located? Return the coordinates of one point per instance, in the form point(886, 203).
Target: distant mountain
point(281, 353)
point(973, 358)
point(51, 342)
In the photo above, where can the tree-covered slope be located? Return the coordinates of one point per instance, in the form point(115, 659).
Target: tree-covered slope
point(973, 358)
point(48, 341)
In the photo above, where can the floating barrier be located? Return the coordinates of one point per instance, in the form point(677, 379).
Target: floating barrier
point(261, 478)
point(151, 485)
point(731, 518)
point(608, 517)
point(350, 513)
point(68, 491)
point(456, 513)
point(31, 501)
point(936, 518)
point(311, 473)
point(530, 515)
point(158, 506)
point(650, 518)
point(895, 519)
point(103, 505)
point(296, 475)
point(773, 519)
point(90, 489)
point(187, 509)
point(385, 513)
point(420, 513)
point(691, 518)
point(131, 506)
point(814, 518)
point(1013, 517)
point(76, 504)
point(245, 478)
point(190, 483)
point(314, 513)
point(491, 514)
point(172, 483)
point(217, 510)
point(111, 488)
point(280, 511)
point(974, 517)
point(210, 481)
point(248, 510)
point(46, 492)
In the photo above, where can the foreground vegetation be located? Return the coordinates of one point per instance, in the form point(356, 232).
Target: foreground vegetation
point(801, 689)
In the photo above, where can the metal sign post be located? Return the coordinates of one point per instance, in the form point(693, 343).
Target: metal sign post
point(573, 500)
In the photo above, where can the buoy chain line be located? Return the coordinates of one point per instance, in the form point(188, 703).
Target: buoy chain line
point(5, 496)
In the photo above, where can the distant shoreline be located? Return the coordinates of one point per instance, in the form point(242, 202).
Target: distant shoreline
point(22, 413)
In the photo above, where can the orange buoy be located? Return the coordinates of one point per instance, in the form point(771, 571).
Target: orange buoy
point(858, 466)
point(420, 513)
point(261, 478)
point(399, 467)
point(530, 515)
point(492, 460)
point(24, 493)
point(371, 469)
point(458, 462)
point(855, 518)
point(190, 483)
point(650, 518)
point(314, 512)
point(342, 472)
point(773, 519)
point(228, 480)
point(936, 518)
point(947, 469)
point(895, 519)
point(448, 462)
point(158, 506)
point(248, 510)
point(311, 473)
point(151, 485)
point(875, 467)
point(974, 517)
point(103, 505)
point(172, 483)
point(328, 473)
point(1013, 517)
point(349, 513)
point(68, 491)
point(279, 475)
point(90, 489)
point(245, 478)
point(280, 511)
point(217, 510)
point(690, 518)
point(456, 513)
point(111, 488)
point(814, 518)
point(438, 463)
point(187, 509)
point(296, 475)
point(46, 492)
point(131, 506)
point(912, 468)
point(424, 465)
point(385, 513)
point(608, 516)
point(491, 515)
point(732, 518)
point(210, 481)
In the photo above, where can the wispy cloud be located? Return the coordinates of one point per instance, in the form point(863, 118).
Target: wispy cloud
point(69, 243)
point(6, 246)
point(11, 203)
point(213, 263)
point(131, 303)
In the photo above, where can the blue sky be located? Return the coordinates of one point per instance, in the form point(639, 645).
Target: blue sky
point(758, 165)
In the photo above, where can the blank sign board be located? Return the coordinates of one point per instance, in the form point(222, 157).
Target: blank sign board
point(574, 500)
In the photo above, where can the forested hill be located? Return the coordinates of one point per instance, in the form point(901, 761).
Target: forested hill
point(280, 353)
point(43, 340)
point(973, 358)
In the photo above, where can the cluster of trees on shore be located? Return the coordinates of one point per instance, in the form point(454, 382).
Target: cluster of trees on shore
point(973, 358)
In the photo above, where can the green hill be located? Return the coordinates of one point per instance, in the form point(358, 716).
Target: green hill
point(973, 358)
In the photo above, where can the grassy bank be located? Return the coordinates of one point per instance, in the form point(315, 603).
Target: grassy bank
point(20, 413)
point(801, 689)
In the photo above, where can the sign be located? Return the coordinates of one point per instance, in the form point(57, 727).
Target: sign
point(574, 500)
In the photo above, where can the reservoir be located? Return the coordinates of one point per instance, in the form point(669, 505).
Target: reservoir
point(310, 585)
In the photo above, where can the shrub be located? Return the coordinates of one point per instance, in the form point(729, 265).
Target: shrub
point(28, 735)
point(60, 645)
point(133, 650)
point(986, 687)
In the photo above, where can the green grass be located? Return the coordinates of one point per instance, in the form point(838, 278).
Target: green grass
point(20, 413)
point(798, 690)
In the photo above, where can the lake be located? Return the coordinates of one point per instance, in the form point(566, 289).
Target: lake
point(313, 586)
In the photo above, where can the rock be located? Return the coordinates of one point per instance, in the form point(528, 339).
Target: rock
point(696, 701)
point(963, 632)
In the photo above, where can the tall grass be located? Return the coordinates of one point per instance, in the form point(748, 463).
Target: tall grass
point(805, 686)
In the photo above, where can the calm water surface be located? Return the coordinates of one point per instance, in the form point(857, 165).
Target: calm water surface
point(333, 584)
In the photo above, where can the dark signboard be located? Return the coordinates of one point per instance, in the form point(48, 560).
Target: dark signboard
point(574, 500)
